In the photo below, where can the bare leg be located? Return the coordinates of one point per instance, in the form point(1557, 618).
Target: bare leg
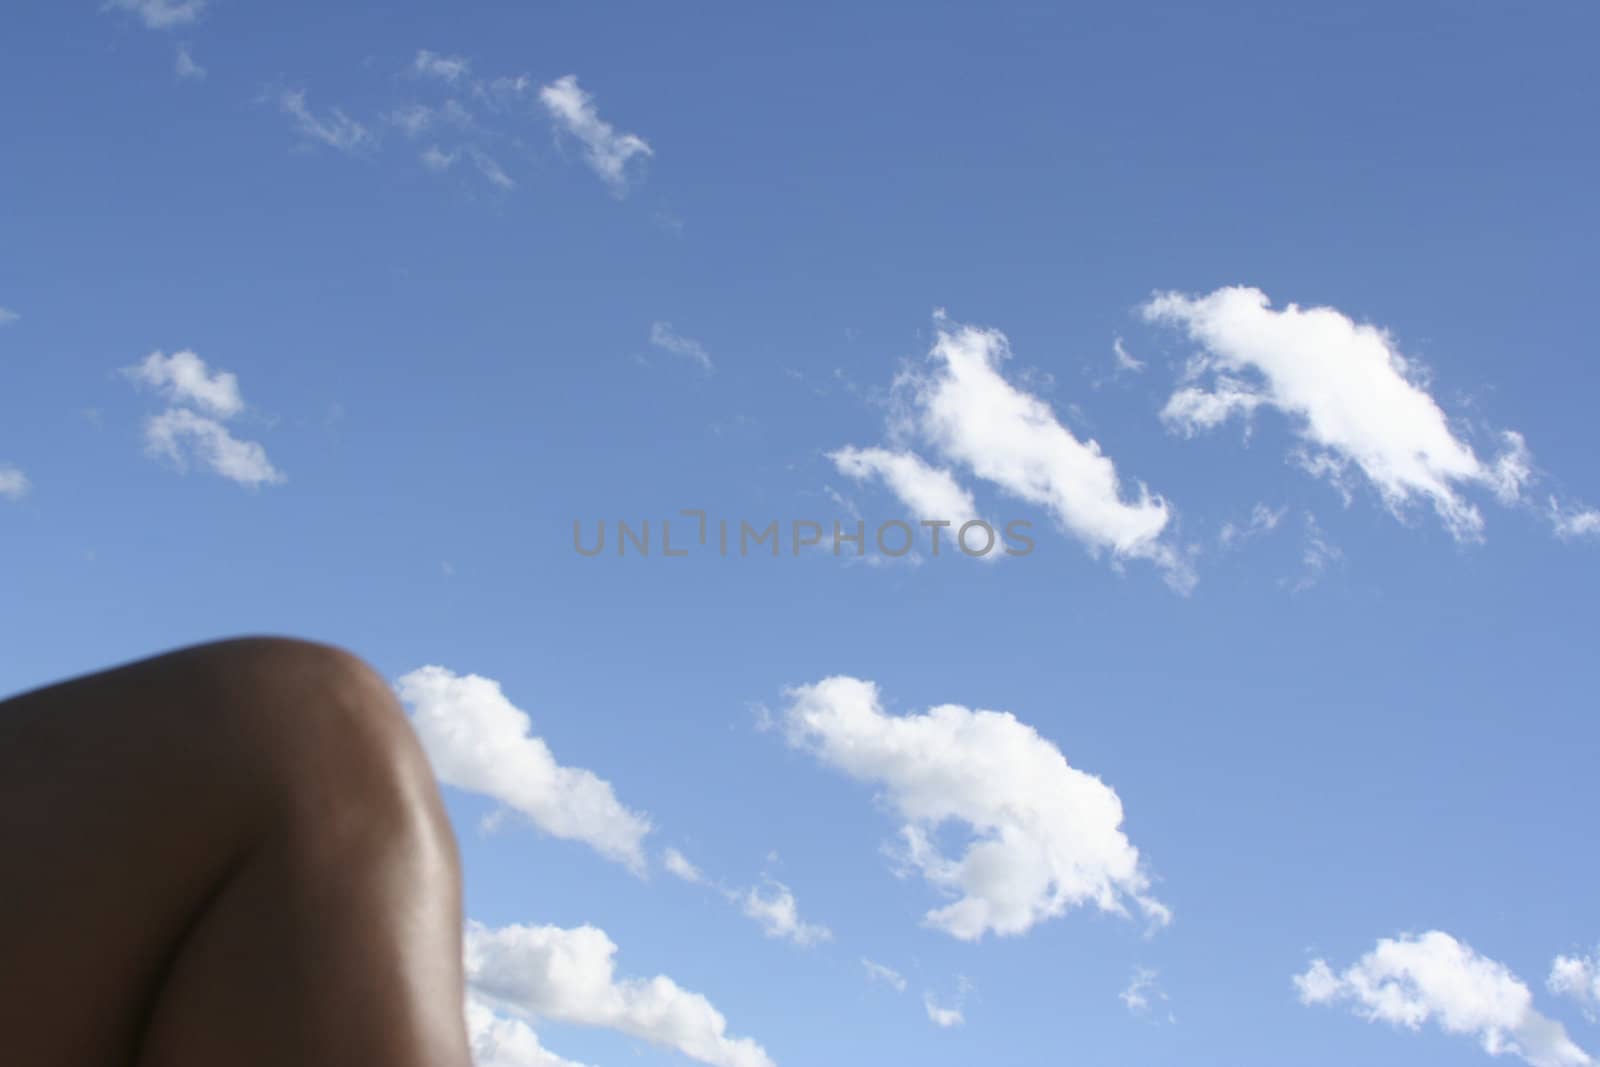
point(233, 854)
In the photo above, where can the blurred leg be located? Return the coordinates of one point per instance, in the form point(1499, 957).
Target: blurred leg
point(230, 854)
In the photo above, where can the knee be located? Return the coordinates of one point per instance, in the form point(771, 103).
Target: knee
point(325, 738)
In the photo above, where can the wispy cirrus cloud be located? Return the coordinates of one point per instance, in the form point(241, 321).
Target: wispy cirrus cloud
point(161, 14)
point(1124, 359)
point(1262, 520)
point(446, 68)
point(1433, 978)
point(878, 972)
point(1144, 992)
point(772, 904)
point(14, 484)
point(664, 337)
point(185, 67)
point(1573, 521)
point(472, 118)
point(607, 152)
point(332, 128)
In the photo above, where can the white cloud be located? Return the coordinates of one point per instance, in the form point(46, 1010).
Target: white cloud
point(1412, 980)
point(7, 316)
point(967, 410)
point(678, 865)
point(1319, 554)
point(185, 379)
point(183, 435)
point(1125, 360)
point(185, 65)
point(161, 14)
point(606, 150)
point(1046, 837)
point(1352, 397)
point(772, 906)
point(1263, 520)
point(335, 129)
point(778, 914)
point(944, 1017)
point(569, 976)
point(479, 741)
point(1142, 992)
point(663, 336)
point(1193, 409)
point(13, 483)
point(1573, 522)
point(180, 435)
point(445, 68)
point(413, 119)
point(491, 170)
point(877, 972)
point(435, 158)
point(499, 1041)
point(1577, 977)
point(930, 492)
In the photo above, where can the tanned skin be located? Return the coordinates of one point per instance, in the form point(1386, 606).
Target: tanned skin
point(231, 854)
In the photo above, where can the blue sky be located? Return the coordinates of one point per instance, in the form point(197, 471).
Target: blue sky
point(453, 277)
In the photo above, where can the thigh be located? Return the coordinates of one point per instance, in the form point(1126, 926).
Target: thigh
point(121, 807)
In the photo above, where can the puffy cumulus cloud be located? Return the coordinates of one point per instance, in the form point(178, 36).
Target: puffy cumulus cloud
point(181, 435)
point(1412, 980)
point(1354, 400)
point(569, 976)
point(1045, 836)
point(185, 379)
point(161, 14)
point(1577, 977)
point(498, 1041)
point(775, 909)
point(961, 404)
point(14, 485)
point(929, 492)
point(607, 151)
point(479, 741)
